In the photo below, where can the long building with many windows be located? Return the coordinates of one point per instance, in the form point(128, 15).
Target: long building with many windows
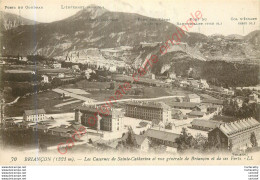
point(106, 120)
point(148, 111)
point(235, 135)
point(34, 115)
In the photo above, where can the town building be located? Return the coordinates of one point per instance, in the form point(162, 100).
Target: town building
point(201, 108)
point(62, 130)
point(194, 83)
point(88, 73)
point(227, 91)
point(34, 115)
point(142, 142)
point(196, 114)
point(253, 98)
point(184, 83)
point(235, 135)
point(211, 108)
point(193, 98)
point(26, 124)
point(162, 137)
point(61, 75)
point(21, 58)
point(45, 79)
point(184, 105)
point(112, 68)
point(41, 128)
point(56, 65)
point(148, 111)
point(204, 84)
point(178, 114)
point(204, 125)
point(107, 120)
point(172, 75)
point(75, 67)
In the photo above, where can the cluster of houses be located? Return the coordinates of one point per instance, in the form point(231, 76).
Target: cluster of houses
point(104, 58)
point(36, 120)
point(190, 82)
point(202, 84)
point(58, 72)
point(192, 106)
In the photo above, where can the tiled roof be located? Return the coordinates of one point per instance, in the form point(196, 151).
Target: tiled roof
point(139, 139)
point(201, 106)
point(34, 112)
point(196, 113)
point(176, 111)
point(143, 124)
point(46, 122)
point(148, 104)
point(163, 135)
point(235, 127)
point(205, 123)
point(76, 126)
point(192, 96)
point(184, 104)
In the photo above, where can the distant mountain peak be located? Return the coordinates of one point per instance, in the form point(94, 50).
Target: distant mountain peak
point(93, 11)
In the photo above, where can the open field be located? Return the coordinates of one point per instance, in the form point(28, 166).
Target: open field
point(151, 92)
point(87, 85)
point(46, 100)
point(40, 69)
point(52, 102)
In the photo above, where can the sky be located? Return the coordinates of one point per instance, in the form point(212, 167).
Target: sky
point(223, 12)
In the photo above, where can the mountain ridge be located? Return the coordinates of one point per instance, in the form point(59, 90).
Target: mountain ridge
point(97, 27)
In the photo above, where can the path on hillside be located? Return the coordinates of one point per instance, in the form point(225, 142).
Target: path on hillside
point(15, 101)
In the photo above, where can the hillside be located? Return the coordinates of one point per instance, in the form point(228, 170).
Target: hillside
point(9, 21)
point(96, 27)
point(90, 28)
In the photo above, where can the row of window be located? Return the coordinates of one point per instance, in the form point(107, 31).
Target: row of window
point(144, 110)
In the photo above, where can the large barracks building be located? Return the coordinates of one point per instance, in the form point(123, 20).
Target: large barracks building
point(148, 111)
point(108, 120)
point(234, 135)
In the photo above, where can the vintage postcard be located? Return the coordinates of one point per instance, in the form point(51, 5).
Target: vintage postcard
point(118, 82)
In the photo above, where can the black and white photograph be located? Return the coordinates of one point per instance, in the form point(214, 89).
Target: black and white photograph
point(121, 82)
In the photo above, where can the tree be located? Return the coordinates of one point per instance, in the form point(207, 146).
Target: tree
point(253, 140)
point(201, 142)
point(185, 141)
point(112, 85)
point(56, 82)
point(168, 126)
point(130, 140)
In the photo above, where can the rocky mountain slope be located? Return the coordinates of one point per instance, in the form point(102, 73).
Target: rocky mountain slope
point(9, 21)
point(93, 27)
point(96, 27)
